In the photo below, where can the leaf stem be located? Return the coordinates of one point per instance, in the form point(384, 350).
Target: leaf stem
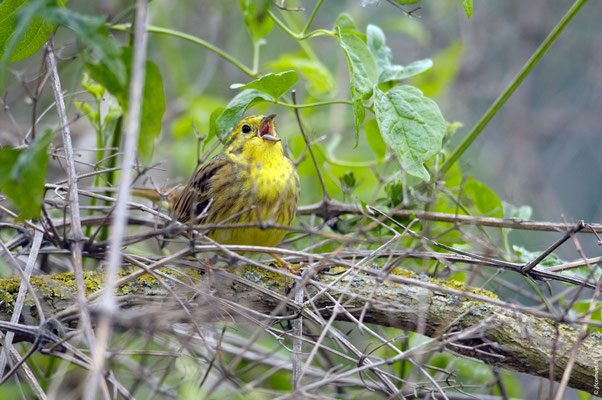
point(256, 46)
point(193, 39)
point(282, 25)
point(499, 102)
point(309, 105)
point(302, 35)
point(311, 17)
point(99, 156)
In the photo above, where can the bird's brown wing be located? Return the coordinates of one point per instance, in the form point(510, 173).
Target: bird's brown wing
point(197, 195)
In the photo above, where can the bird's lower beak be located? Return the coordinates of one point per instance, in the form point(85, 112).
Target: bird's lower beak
point(266, 129)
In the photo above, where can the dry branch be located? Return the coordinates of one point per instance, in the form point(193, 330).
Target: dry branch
point(463, 320)
point(332, 208)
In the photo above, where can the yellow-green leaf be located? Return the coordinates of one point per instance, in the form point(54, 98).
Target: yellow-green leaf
point(274, 85)
point(22, 175)
point(411, 124)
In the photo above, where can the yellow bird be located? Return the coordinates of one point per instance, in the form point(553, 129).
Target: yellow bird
point(249, 182)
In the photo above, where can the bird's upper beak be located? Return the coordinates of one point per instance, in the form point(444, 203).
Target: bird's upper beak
point(266, 129)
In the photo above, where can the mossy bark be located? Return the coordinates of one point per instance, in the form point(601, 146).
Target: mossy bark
point(488, 332)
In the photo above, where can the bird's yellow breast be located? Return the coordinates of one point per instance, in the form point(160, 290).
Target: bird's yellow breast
point(270, 191)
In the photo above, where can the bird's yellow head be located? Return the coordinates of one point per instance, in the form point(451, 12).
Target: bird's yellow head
point(254, 139)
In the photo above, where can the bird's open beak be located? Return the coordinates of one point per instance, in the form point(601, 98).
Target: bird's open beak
point(266, 129)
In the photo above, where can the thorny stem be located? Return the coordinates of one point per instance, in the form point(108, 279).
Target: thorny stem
point(522, 74)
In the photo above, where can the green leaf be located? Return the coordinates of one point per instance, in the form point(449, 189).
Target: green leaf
point(362, 66)
point(583, 306)
point(345, 22)
point(93, 32)
point(348, 181)
point(22, 32)
point(387, 71)
point(107, 78)
point(91, 113)
point(374, 138)
point(377, 46)
point(415, 68)
point(581, 272)
point(523, 212)
point(359, 113)
point(467, 4)
point(237, 107)
point(363, 75)
point(22, 175)
point(514, 386)
point(394, 194)
point(318, 77)
point(452, 127)
point(470, 372)
point(479, 197)
point(525, 256)
point(95, 90)
point(274, 85)
point(411, 125)
point(213, 128)
point(153, 101)
point(153, 108)
point(256, 17)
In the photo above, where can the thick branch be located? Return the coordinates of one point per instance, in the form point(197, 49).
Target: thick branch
point(467, 321)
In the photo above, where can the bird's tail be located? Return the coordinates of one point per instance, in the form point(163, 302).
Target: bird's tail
point(167, 196)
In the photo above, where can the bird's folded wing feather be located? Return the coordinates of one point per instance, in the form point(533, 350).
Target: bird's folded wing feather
point(197, 195)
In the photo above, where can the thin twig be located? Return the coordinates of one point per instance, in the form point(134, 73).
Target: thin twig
point(73, 199)
point(532, 264)
point(118, 226)
point(31, 260)
point(27, 372)
point(297, 342)
point(308, 144)
point(336, 208)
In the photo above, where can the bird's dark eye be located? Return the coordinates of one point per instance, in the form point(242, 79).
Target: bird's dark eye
point(246, 129)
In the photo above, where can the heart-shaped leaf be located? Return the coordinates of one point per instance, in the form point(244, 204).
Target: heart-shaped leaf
point(274, 85)
point(411, 125)
point(153, 100)
point(363, 75)
point(236, 108)
point(387, 71)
